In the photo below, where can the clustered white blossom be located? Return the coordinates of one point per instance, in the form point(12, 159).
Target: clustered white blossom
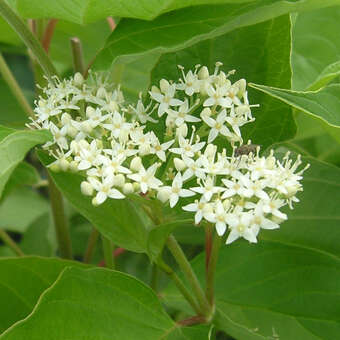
point(117, 148)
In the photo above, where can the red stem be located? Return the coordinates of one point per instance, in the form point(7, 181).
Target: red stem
point(194, 320)
point(117, 252)
point(111, 23)
point(48, 34)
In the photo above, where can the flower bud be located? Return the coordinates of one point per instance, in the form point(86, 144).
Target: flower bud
point(55, 166)
point(164, 85)
point(78, 79)
point(90, 111)
point(136, 187)
point(182, 131)
point(95, 202)
point(86, 127)
point(64, 164)
point(72, 131)
point(101, 93)
point(136, 164)
point(179, 164)
point(73, 166)
point(242, 85)
point(203, 73)
point(119, 180)
point(155, 89)
point(86, 188)
point(128, 188)
point(113, 106)
point(164, 194)
point(210, 151)
point(65, 118)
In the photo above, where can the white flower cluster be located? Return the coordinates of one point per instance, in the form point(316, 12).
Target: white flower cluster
point(117, 147)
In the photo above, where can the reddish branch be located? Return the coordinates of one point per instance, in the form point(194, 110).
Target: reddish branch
point(117, 252)
point(48, 34)
point(194, 320)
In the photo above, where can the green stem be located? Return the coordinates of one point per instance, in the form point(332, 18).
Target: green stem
point(181, 287)
point(15, 88)
point(91, 245)
point(154, 277)
point(108, 253)
point(10, 243)
point(60, 221)
point(28, 38)
point(186, 268)
point(77, 53)
point(211, 268)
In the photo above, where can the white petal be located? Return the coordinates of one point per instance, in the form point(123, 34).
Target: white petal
point(190, 207)
point(232, 236)
point(220, 228)
point(186, 193)
point(212, 135)
point(173, 200)
point(114, 193)
point(249, 235)
point(101, 197)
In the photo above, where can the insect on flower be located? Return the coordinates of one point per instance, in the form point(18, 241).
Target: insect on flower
point(246, 149)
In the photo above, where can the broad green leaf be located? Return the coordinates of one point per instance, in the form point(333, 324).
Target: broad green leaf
point(13, 149)
point(119, 220)
point(7, 35)
point(20, 208)
point(23, 174)
point(326, 76)
point(323, 104)
point(11, 114)
point(268, 41)
point(289, 283)
point(39, 238)
point(183, 28)
point(316, 47)
point(22, 281)
point(99, 304)
point(86, 11)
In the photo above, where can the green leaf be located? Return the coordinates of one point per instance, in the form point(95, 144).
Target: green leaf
point(82, 12)
point(13, 149)
point(8, 36)
point(21, 208)
point(183, 28)
point(316, 48)
point(23, 174)
point(328, 74)
point(98, 304)
point(119, 220)
point(268, 41)
point(39, 238)
point(22, 280)
point(289, 283)
point(323, 104)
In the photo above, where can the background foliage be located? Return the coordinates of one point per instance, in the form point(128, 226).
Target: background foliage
point(287, 286)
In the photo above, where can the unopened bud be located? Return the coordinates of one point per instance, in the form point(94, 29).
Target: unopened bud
point(86, 188)
point(119, 180)
point(90, 111)
point(182, 131)
point(203, 73)
point(164, 194)
point(64, 164)
point(128, 188)
point(206, 112)
point(101, 93)
point(136, 187)
point(179, 164)
point(78, 79)
point(136, 164)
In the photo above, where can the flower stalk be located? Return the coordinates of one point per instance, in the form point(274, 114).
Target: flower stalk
point(181, 259)
point(77, 53)
point(211, 268)
point(108, 253)
point(91, 245)
point(60, 221)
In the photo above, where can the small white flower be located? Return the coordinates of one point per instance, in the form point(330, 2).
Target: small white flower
point(104, 190)
point(146, 178)
point(272, 207)
point(240, 227)
point(166, 99)
point(200, 208)
point(176, 191)
point(217, 96)
point(186, 147)
point(217, 126)
point(181, 116)
point(208, 189)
